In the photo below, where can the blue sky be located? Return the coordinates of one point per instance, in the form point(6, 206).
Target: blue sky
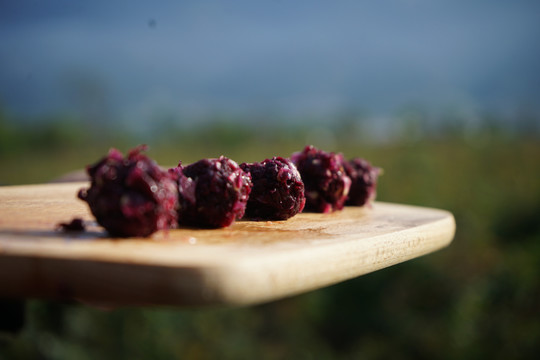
point(135, 59)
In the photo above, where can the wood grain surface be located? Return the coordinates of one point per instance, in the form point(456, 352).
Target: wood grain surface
point(247, 263)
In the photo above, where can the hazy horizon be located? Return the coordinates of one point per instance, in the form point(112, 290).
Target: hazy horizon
point(134, 61)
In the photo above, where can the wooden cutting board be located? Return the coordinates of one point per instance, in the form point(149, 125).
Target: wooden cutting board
point(247, 263)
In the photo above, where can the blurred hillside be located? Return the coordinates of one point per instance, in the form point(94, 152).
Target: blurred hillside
point(479, 298)
point(41, 149)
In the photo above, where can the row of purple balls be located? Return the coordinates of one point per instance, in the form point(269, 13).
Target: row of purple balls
point(133, 196)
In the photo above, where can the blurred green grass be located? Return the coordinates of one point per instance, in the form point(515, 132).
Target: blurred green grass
point(479, 298)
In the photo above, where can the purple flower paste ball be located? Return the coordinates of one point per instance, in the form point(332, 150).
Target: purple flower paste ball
point(364, 181)
point(131, 196)
point(278, 190)
point(212, 192)
point(326, 183)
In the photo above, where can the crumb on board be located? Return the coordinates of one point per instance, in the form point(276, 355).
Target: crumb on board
point(75, 225)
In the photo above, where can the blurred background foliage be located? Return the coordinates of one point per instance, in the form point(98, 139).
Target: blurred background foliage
point(478, 298)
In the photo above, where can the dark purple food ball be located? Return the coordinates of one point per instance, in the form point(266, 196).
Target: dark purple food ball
point(131, 196)
point(212, 193)
point(326, 183)
point(278, 190)
point(364, 181)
